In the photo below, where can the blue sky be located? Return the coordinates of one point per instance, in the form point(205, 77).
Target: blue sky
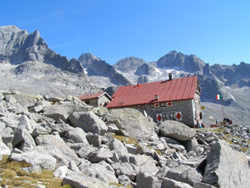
point(217, 31)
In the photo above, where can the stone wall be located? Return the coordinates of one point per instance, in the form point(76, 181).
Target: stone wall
point(103, 99)
point(185, 107)
point(98, 101)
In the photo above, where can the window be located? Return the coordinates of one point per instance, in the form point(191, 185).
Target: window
point(87, 102)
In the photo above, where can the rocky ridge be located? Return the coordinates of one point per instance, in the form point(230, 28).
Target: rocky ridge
point(97, 67)
point(17, 46)
point(93, 147)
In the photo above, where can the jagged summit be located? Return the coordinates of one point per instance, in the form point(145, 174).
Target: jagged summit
point(97, 67)
point(129, 64)
point(88, 57)
point(17, 47)
point(173, 59)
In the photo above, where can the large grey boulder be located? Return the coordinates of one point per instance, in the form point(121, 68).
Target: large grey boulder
point(4, 150)
point(184, 174)
point(170, 183)
point(82, 149)
point(89, 122)
point(60, 172)
point(35, 158)
point(101, 154)
point(118, 147)
point(83, 181)
point(7, 136)
point(144, 180)
point(145, 163)
point(176, 130)
point(126, 168)
point(27, 123)
point(226, 167)
point(23, 139)
point(62, 111)
point(56, 147)
point(77, 135)
point(102, 171)
point(133, 122)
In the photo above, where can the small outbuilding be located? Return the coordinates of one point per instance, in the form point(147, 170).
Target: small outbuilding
point(96, 99)
point(173, 99)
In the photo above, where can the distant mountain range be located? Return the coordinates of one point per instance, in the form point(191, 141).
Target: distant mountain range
point(28, 59)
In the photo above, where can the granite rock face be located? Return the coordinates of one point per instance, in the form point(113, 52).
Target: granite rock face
point(133, 122)
point(17, 46)
point(176, 130)
point(226, 167)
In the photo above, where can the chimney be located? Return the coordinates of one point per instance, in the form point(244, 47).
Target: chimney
point(156, 97)
point(170, 76)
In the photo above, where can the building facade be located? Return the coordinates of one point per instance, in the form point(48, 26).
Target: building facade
point(174, 99)
point(96, 99)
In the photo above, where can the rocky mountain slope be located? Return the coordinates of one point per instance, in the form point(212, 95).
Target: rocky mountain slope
point(17, 46)
point(97, 67)
point(91, 147)
point(29, 65)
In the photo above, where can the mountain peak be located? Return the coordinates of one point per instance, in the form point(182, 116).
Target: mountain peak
point(10, 28)
point(85, 57)
point(129, 64)
point(173, 59)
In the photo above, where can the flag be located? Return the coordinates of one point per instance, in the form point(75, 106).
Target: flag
point(218, 97)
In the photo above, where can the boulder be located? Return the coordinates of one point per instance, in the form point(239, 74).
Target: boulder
point(94, 139)
point(7, 135)
point(184, 174)
point(118, 147)
point(77, 135)
point(102, 171)
point(82, 149)
point(23, 139)
point(176, 130)
point(61, 128)
point(83, 181)
point(62, 111)
point(226, 167)
point(202, 185)
point(35, 158)
point(60, 172)
point(56, 147)
point(144, 180)
point(101, 154)
point(39, 130)
point(39, 106)
point(28, 124)
point(169, 183)
point(126, 169)
point(89, 122)
point(4, 150)
point(133, 122)
point(2, 126)
point(145, 163)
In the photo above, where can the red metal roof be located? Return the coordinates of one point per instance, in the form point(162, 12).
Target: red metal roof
point(170, 90)
point(91, 96)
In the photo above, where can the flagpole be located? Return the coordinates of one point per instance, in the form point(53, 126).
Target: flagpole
point(222, 109)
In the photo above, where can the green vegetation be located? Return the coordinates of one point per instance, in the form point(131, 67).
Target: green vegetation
point(13, 175)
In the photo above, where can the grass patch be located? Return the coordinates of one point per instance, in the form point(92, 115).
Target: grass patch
point(13, 176)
